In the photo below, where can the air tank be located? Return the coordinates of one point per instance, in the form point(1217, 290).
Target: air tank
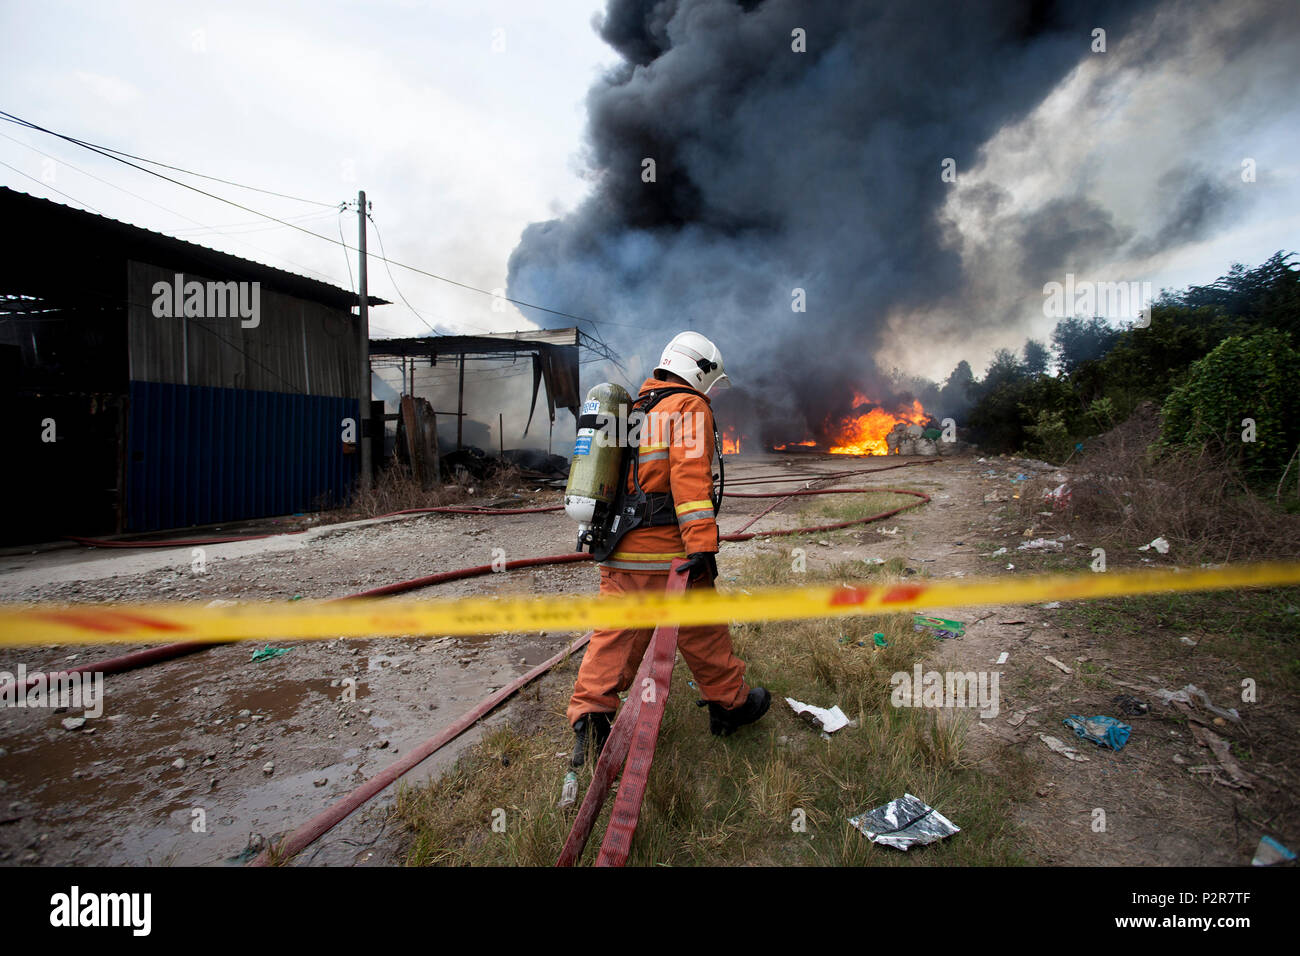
point(597, 454)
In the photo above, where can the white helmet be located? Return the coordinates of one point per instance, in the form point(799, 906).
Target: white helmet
point(694, 358)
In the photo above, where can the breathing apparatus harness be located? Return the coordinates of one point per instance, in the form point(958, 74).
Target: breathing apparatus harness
point(638, 508)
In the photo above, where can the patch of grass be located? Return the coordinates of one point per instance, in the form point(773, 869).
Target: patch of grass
point(830, 509)
point(738, 800)
point(1258, 630)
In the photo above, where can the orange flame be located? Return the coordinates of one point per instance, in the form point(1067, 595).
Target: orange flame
point(865, 434)
point(730, 441)
point(794, 444)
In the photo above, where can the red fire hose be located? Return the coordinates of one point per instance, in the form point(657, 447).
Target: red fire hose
point(155, 655)
point(323, 822)
point(316, 827)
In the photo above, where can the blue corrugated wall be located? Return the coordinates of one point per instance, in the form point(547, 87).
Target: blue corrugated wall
point(202, 455)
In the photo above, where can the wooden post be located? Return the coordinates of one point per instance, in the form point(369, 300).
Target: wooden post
point(460, 405)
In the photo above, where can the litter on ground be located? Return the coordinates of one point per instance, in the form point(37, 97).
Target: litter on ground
point(941, 627)
point(827, 721)
point(1129, 706)
point(1052, 660)
point(904, 823)
point(1056, 745)
point(1270, 852)
point(1103, 731)
point(1041, 544)
point(1238, 779)
point(1190, 695)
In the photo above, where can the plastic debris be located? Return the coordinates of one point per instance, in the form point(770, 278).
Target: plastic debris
point(1160, 544)
point(998, 553)
point(268, 652)
point(1270, 852)
point(1042, 544)
point(1188, 641)
point(1056, 745)
point(879, 640)
point(1052, 606)
point(569, 795)
point(1103, 731)
point(904, 823)
point(1059, 497)
point(1129, 706)
point(827, 721)
point(1222, 750)
point(1191, 694)
point(943, 628)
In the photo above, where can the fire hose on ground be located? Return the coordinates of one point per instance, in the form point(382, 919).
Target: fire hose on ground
point(341, 809)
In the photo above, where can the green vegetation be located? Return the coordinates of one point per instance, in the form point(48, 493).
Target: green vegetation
point(1211, 355)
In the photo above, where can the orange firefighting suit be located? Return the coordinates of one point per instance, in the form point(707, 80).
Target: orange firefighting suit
point(675, 456)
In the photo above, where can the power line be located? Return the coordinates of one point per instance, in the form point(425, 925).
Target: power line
point(49, 187)
point(338, 221)
point(157, 205)
point(153, 162)
point(384, 258)
point(329, 239)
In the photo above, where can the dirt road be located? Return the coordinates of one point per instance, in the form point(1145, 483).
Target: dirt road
point(197, 760)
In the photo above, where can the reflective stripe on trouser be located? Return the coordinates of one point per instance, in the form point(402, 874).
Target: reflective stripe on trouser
point(612, 656)
point(641, 561)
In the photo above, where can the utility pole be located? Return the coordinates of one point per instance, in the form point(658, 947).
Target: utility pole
point(460, 405)
point(364, 368)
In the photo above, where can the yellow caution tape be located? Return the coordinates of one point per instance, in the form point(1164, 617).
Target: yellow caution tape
point(156, 623)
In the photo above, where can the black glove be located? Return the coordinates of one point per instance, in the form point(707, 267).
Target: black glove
point(701, 566)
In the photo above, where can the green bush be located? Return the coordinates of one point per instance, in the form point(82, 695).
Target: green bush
point(1244, 377)
point(1051, 436)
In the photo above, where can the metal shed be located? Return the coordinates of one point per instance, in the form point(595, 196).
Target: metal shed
point(156, 383)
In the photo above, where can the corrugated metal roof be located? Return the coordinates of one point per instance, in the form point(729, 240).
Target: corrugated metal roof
point(73, 228)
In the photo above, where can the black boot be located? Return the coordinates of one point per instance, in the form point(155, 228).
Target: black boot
point(723, 722)
point(594, 725)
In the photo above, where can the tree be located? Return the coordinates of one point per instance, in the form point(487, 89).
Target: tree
point(1242, 399)
point(955, 396)
point(1075, 341)
point(1036, 357)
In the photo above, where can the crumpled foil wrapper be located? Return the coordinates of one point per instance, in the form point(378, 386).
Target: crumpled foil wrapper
point(905, 823)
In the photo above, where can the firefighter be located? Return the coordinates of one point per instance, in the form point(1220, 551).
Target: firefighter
point(675, 469)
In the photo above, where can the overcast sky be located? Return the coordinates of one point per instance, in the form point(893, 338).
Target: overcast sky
point(464, 123)
point(461, 121)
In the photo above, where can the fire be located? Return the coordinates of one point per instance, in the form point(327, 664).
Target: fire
point(863, 430)
point(730, 441)
point(865, 434)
